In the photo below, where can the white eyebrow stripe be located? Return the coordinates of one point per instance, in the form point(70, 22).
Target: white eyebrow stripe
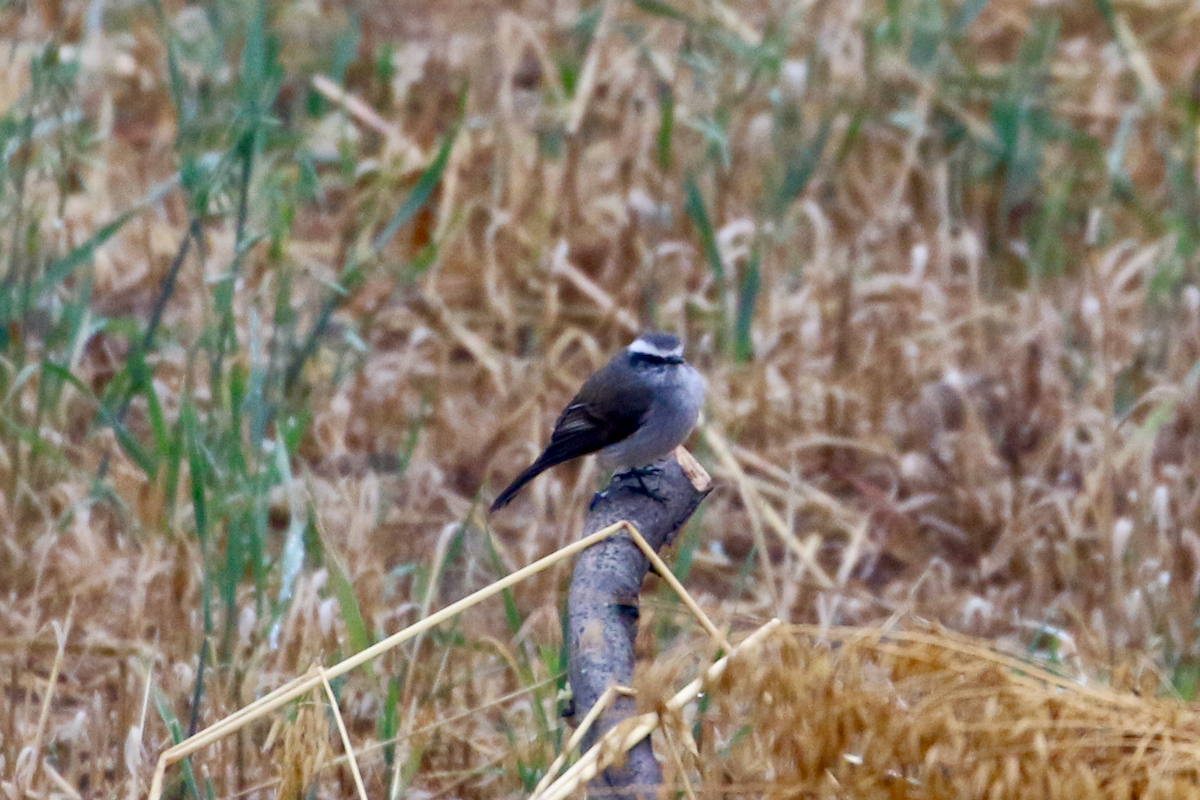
point(649, 349)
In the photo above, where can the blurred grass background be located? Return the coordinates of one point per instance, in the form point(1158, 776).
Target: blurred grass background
point(289, 290)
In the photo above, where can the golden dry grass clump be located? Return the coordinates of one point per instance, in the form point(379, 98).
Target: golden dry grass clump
point(929, 714)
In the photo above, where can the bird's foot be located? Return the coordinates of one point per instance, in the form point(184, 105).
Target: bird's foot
point(640, 473)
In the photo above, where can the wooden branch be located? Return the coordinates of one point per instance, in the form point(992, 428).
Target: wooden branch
point(602, 604)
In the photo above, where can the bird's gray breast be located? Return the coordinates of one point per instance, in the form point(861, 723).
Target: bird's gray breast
point(678, 393)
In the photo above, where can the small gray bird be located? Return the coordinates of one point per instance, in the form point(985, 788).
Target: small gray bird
point(633, 411)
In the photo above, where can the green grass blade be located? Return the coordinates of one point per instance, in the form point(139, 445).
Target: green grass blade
point(198, 469)
point(659, 8)
point(356, 628)
point(799, 171)
point(163, 707)
point(693, 204)
point(61, 268)
point(743, 347)
point(429, 180)
point(666, 125)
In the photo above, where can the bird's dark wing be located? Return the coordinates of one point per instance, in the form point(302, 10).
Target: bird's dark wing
point(604, 412)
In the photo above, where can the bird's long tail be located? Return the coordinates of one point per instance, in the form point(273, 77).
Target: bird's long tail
point(531, 472)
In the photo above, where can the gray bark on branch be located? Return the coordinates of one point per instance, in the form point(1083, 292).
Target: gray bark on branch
point(602, 605)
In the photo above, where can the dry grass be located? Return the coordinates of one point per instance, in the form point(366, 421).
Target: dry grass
point(943, 294)
point(927, 714)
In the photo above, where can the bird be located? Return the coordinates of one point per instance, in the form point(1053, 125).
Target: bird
point(632, 412)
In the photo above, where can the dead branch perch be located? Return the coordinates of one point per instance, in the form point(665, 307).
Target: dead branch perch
point(603, 604)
